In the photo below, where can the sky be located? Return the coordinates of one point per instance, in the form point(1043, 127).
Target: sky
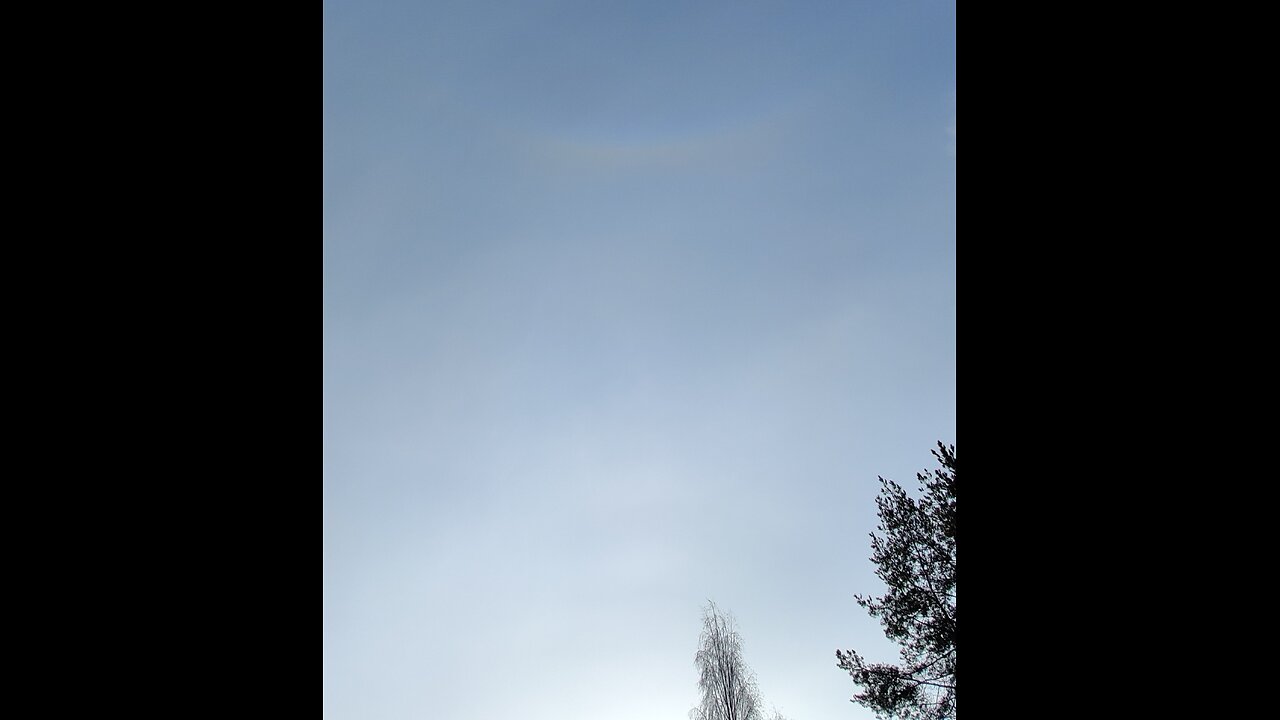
point(626, 307)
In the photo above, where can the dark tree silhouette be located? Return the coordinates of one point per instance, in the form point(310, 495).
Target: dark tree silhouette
point(728, 686)
point(915, 555)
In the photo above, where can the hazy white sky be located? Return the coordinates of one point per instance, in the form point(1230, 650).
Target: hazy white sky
point(626, 305)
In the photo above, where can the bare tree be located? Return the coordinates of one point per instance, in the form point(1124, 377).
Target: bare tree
point(728, 686)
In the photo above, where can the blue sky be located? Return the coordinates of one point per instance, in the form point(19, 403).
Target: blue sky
point(626, 305)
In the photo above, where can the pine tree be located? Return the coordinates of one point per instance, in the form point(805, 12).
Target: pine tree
point(915, 556)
